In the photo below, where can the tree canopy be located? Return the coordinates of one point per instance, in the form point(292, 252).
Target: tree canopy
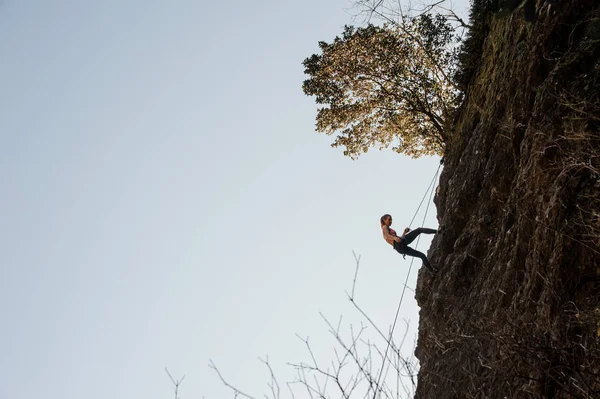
point(383, 85)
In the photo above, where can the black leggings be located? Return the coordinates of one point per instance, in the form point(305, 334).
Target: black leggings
point(403, 248)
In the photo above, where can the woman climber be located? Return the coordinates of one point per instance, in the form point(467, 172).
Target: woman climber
point(400, 244)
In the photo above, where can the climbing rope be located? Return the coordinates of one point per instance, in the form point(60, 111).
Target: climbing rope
point(426, 191)
point(389, 340)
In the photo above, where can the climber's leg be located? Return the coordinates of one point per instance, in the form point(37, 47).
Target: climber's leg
point(413, 252)
point(410, 236)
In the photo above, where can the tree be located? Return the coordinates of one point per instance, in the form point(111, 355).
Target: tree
point(386, 84)
point(396, 12)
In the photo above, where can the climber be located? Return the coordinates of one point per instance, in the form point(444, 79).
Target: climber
point(400, 244)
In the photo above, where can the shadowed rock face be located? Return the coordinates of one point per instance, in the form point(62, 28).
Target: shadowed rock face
point(508, 6)
point(530, 7)
point(515, 310)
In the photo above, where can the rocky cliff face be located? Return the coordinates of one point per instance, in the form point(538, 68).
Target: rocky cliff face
point(515, 310)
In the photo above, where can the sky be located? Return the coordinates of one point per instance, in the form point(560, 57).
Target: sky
point(165, 199)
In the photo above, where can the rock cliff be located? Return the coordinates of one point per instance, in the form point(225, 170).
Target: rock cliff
point(515, 310)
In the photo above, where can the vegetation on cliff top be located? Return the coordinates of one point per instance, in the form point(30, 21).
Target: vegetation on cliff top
point(387, 84)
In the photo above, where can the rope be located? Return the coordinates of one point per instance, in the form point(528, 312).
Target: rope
point(423, 199)
point(407, 275)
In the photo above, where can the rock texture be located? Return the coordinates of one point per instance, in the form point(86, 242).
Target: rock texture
point(515, 310)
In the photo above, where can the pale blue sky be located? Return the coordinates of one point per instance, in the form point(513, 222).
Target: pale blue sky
point(165, 199)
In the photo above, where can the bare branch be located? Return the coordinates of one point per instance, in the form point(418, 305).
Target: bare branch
point(234, 389)
point(176, 383)
point(357, 259)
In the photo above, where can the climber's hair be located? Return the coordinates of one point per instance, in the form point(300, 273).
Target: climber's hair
point(384, 217)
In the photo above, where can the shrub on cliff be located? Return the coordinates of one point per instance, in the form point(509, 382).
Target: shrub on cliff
point(469, 56)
